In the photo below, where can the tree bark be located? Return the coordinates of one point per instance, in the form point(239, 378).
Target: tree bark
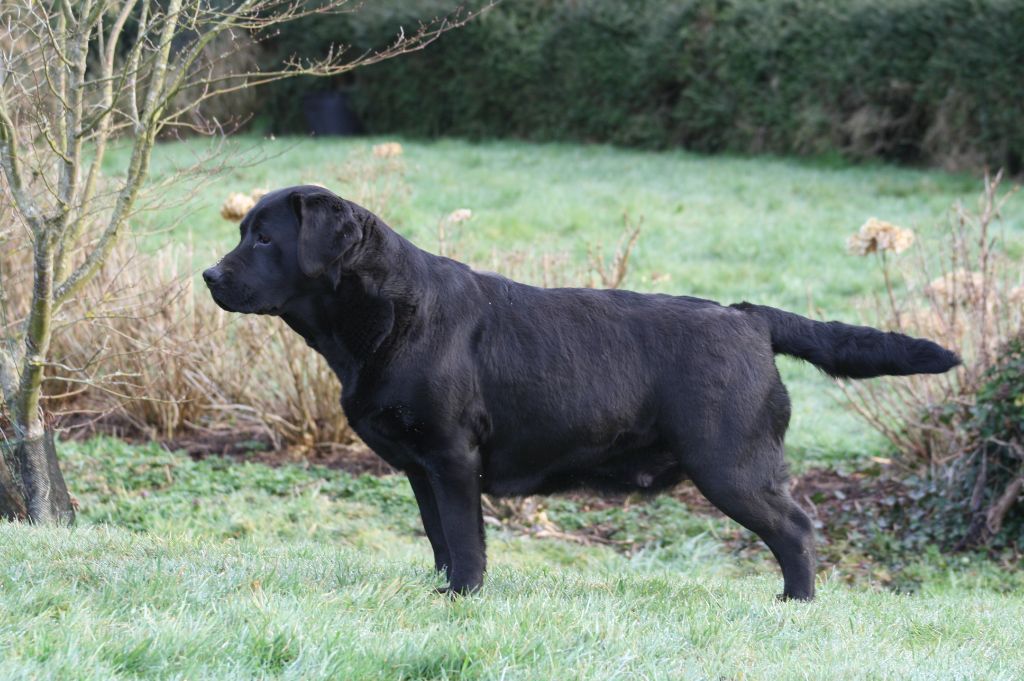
point(12, 498)
point(47, 494)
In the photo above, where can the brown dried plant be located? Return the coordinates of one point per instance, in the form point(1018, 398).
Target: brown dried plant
point(964, 292)
point(612, 273)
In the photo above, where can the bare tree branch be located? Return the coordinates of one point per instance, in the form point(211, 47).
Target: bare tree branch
point(102, 123)
point(138, 166)
point(10, 161)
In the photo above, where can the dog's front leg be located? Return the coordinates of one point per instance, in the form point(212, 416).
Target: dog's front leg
point(456, 485)
point(424, 494)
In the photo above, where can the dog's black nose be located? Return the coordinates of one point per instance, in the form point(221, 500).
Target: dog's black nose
point(212, 275)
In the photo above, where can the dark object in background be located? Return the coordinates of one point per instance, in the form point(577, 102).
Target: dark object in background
point(471, 383)
point(328, 112)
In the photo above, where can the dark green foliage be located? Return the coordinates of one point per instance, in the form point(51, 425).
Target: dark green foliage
point(997, 466)
point(974, 502)
point(999, 412)
point(911, 80)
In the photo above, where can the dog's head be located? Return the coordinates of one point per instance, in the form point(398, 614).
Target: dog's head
point(294, 242)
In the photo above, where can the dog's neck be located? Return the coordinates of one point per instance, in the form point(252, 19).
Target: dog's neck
point(375, 303)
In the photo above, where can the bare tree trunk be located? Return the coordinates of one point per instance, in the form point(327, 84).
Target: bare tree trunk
point(47, 494)
point(43, 484)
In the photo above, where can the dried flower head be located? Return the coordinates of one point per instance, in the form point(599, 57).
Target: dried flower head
point(258, 193)
point(387, 150)
point(877, 235)
point(459, 215)
point(236, 206)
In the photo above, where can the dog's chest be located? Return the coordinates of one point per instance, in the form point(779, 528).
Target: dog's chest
point(393, 432)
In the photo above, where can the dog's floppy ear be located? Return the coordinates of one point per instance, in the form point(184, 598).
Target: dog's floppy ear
point(329, 233)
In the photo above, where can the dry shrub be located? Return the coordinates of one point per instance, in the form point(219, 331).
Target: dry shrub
point(611, 272)
point(289, 390)
point(967, 295)
point(132, 339)
point(146, 349)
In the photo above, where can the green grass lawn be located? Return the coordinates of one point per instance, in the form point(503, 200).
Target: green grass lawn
point(212, 569)
point(767, 230)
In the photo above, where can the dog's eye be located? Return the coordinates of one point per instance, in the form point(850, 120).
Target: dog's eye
point(262, 239)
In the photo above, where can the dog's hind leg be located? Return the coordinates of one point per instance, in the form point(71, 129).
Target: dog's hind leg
point(750, 486)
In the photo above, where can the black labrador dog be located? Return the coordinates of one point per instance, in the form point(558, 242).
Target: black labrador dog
point(470, 383)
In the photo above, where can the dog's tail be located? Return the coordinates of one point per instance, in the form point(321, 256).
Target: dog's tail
point(848, 351)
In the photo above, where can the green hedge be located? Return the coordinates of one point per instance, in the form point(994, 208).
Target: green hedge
point(938, 81)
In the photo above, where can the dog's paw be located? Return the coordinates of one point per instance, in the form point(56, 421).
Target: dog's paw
point(456, 592)
point(799, 599)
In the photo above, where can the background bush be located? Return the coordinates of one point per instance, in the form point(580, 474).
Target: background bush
point(912, 80)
